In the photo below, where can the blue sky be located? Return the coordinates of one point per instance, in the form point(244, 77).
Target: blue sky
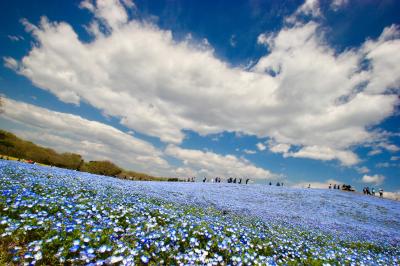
point(302, 92)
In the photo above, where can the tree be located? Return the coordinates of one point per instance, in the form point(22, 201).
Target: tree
point(101, 168)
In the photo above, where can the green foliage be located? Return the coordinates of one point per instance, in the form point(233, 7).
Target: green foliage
point(11, 145)
point(101, 168)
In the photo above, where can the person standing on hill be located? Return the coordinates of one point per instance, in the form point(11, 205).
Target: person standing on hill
point(205, 179)
point(240, 181)
point(247, 180)
point(381, 193)
point(330, 186)
point(234, 180)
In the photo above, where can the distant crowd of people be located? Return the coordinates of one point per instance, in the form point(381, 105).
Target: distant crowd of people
point(233, 180)
point(229, 180)
point(219, 180)
point(277, 184)
point(367, 191)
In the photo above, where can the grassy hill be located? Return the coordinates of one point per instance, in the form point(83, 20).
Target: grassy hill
point(15, 148)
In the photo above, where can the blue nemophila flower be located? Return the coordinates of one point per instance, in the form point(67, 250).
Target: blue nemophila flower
point(38, 256)
point(74, 248)
point(90, 250)
point(144, 259)
point(115, 259)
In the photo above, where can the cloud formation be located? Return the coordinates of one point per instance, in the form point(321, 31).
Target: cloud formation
point(338, 4)
point(15, 38)
point(260, 146)
point(316, 102)
point(373, 179)
point(206, 163)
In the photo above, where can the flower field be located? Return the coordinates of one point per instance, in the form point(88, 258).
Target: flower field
point(52, 216)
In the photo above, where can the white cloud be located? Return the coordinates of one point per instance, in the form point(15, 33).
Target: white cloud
point(10, 63)
point(389, 147)
point(249, 151)
point(232, 40)
point(374, 152)
point(72, 133)
point(278, 147)
point(264, 39)
point(362, 170)
point(111, 12)
point(325, 154)
point(373, 179)
point(394, 158)
point(383, 165)
point(337, 4)
point(309, 8)
point(260, 146)
point(209, 164)
point(315, 152)
point(302, 94)
point(391, 195)
point(15, 38)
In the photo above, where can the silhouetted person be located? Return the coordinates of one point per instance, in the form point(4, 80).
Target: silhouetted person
point(334, 186)
point(381, 193)
point(240, 181)
point(270, 183)
point(309, 185)
point(247, 181)
point(373, 191)
point(204, 180)
point(234, 180)
point(278, 184)
point(330, 186)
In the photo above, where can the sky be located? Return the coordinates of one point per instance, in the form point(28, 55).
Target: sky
point(300, 92)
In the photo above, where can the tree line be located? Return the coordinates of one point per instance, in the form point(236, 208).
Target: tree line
point(13, 146)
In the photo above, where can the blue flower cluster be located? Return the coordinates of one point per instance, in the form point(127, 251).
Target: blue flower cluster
point(54, 216)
